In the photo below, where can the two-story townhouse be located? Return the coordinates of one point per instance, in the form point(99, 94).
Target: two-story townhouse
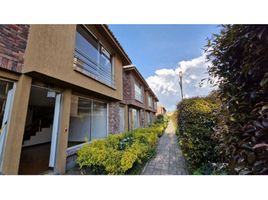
point(136, 93)
point(161, 110)
point(150, 106)
point(60, 86)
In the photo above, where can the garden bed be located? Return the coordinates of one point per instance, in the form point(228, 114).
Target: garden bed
point(124, 153)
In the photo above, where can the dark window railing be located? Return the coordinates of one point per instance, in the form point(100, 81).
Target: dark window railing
point(93, 69)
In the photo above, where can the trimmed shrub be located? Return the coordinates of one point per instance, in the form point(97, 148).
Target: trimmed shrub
point(162, 118)
point(120, 153)
point(239, 57)
point(199, 116)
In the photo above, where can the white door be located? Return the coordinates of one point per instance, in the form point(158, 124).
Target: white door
point(55, 131)
point(4, 126)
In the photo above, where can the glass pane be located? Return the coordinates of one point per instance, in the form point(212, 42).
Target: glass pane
point(138, 119)
point(92, 57)
point(135, 116)
point(122, 119)
point(79, 121)
point(86, 50)
point(148, 118)
point(150, 101)
point(138, 94)
point(99, 120)
point(106, 69)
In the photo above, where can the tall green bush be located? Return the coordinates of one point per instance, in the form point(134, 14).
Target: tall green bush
point(197, 144)
point(239, 57)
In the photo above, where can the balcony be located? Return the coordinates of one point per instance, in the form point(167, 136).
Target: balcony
point(87, 66)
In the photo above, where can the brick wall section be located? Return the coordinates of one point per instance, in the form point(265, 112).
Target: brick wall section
point(114, 117)
point(13, 41)
point(129, 90)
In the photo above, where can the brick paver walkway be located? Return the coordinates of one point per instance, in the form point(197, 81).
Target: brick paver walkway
point(169, 159)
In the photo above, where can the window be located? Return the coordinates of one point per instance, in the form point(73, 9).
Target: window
point(138, 92)
point(80, 121)
point(122, 119)
point(135, 118)
point(88, 120)
point(99, 120)
point(155, 105)
point(148, 118)
point(92, 57)
point(150, 101)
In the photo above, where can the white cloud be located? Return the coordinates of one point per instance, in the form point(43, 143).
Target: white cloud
point(192, 76)
point(165, 82)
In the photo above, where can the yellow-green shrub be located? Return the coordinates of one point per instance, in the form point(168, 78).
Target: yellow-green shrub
point(196, 142)
point(134, 154)
point(117, 154)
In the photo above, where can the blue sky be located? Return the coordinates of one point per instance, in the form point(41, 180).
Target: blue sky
point(160, 51)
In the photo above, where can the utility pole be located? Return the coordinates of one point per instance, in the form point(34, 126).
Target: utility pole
point(180, 82)
point(181, 127)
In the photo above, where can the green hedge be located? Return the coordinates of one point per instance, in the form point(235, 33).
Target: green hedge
point(239, 57)
point(120, 153)
point(162, 118)
point(196, 140)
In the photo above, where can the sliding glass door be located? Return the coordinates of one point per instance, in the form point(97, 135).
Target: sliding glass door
point(80, 121)
point(88, 120)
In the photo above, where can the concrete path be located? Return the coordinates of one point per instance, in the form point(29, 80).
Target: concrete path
point(169, 159)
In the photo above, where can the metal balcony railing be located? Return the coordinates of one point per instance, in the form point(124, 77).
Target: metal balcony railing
point(93, 69)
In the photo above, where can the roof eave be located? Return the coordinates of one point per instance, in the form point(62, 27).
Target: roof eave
point(117, 43)
point(133, 67)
